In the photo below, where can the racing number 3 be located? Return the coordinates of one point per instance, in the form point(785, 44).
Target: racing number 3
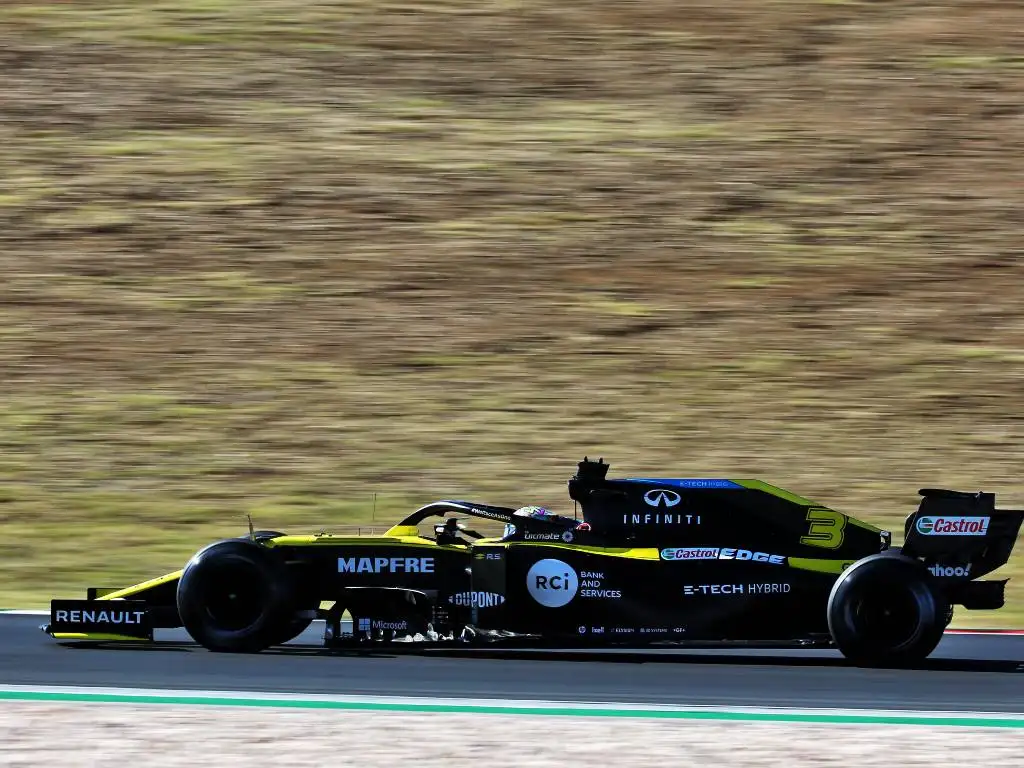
point(824, 529)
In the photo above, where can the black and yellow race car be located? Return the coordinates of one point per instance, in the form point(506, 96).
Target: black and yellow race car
point(646, 560)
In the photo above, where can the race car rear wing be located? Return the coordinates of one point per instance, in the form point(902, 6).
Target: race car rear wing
point(961, 532)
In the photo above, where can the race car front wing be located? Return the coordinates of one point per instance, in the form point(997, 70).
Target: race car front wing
point(100, 620)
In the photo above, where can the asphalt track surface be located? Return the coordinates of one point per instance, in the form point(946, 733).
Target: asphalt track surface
point(967, 673)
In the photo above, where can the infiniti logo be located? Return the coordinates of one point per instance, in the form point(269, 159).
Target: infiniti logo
point(661, 498)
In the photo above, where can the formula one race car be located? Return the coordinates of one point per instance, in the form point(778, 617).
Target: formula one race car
point(651, 561)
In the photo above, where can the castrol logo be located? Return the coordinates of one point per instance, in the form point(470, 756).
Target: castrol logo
point(952, 526)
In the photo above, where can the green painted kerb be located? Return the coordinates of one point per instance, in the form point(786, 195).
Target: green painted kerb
point(974, 721)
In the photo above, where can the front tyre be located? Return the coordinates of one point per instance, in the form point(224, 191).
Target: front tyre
point(236, 596)
point(884, 611)
point(297, 625)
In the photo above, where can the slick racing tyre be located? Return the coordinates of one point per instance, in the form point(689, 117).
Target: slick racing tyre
point(236, 596)
point(297, 625)
point(292, 630)
point(884, 611)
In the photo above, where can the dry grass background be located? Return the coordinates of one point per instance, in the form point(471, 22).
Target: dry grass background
point(274, 256)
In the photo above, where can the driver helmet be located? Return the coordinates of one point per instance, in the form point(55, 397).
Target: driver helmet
point(537, 513)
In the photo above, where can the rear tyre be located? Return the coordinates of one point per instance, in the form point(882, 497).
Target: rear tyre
point(236, 596)
point(884, 611)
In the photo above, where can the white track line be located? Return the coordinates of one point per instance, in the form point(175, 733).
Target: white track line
point(492, 703)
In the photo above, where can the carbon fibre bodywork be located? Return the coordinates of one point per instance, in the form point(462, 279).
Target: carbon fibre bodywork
point(647, 560)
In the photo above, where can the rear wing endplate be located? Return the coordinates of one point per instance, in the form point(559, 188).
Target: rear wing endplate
point(958, 528)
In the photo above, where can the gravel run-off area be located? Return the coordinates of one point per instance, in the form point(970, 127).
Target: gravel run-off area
point(74, 735)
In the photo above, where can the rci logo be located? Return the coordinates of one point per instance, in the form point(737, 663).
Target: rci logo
point(661, 498)
point(552, 583)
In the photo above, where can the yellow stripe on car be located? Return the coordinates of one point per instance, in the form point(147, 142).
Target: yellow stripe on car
point(782, 493)
point(346, 541)
point(136, 588)
point(631, 553)
point(97, 636)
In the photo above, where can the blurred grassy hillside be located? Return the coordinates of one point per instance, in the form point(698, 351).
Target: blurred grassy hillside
point(276, 256)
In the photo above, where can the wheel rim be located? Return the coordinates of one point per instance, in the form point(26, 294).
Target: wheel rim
point(887, 614)
point(235, 595)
